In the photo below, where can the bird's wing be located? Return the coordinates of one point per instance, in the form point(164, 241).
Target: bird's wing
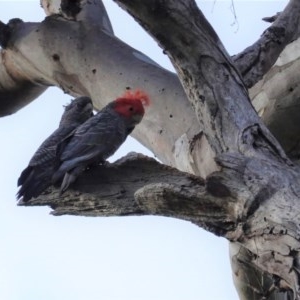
point(46, 151)
point(98, 138)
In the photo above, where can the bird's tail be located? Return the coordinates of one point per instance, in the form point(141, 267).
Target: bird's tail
point(33, 184)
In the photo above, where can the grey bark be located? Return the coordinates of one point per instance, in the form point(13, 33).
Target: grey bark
point(254, 62)
point(252, 199)
point(276, 99)
point(251, 139)
point(16, 90)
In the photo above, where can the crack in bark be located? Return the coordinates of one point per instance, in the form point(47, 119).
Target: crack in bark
point(257, 138)
point(137, 185)
point(70, 7)
point(222, 203)
point(287, 21)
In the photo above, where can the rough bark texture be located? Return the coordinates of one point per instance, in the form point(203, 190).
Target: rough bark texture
point(127, 68)
point(257, 59)
point(250, 190)
point(138, 185)
point(276, 98)
point(248, 135)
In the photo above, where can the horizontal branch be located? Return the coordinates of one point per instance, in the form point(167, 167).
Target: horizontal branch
point(138, 185)
point(231, 203)
point(16, 87)
point(92, 13)
point(257, 59)
point(170, 121)
point(42, 67)
point(15, 91)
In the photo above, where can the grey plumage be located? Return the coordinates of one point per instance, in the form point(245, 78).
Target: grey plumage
point(38, 174)
point(97, 139)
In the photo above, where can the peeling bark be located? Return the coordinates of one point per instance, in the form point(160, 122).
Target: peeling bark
point(218, 110)
point(106, 74)
point(212, 83)
point(138, 185)
point(251, 191)
point(276, 98)
point(257, 59)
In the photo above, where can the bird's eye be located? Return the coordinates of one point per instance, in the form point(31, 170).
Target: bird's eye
point(80, 105)
point(130, 108)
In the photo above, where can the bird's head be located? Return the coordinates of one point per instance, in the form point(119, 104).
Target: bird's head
point(131, 105)
point(78, 111)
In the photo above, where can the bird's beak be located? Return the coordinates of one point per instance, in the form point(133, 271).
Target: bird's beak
point(89, 107)
point(137, 118)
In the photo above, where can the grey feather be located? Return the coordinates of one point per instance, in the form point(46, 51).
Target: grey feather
point(38, 174)
point(91, 143)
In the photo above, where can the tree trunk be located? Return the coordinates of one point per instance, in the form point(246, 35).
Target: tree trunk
point(249, 193)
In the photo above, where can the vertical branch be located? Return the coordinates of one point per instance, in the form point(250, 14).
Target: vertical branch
point(211, 81)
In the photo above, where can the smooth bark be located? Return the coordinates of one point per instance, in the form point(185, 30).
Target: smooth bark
point(276, 98)
point(256, 60)
point(252, 199)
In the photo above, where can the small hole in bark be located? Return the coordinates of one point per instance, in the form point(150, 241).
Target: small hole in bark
point(161, 131)
point(216, 188)
point(94, 71)
point(128, 88)
point(55, 57)
point(171, 116)
point(202, 98)
point(291, 89)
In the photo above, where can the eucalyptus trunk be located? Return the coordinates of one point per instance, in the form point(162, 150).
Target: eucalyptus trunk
point(227, 167)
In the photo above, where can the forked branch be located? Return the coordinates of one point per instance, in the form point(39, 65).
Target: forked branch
point(138, 185)
point(256, 60)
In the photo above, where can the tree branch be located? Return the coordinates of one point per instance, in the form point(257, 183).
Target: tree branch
point(16, 87)
point(127, 68)
point(162, 86)
point(253, 177)
point(256, 60)
point(231, 204)
point(138, 185)
point(92, 13)
point(30, 77)
point(272, 18)
point(276, 99)
point(211, 82)
point(221, 103)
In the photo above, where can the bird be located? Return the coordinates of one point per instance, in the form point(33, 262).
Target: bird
point(99, 137)
point(37, 176)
